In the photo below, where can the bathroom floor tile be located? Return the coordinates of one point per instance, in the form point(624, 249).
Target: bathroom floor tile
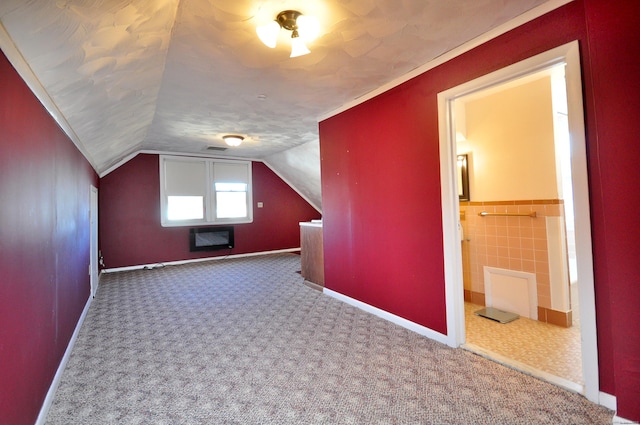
point(545, 347)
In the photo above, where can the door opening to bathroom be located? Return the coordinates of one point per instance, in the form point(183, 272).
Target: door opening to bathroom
point(517, 225)
point(512, 237)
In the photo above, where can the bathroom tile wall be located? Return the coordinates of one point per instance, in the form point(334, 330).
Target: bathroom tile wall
point(514, 243)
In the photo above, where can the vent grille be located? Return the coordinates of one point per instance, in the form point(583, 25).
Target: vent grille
point(216, 148)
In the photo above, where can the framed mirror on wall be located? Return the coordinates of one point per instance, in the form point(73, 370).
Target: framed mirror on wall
point(463, 178)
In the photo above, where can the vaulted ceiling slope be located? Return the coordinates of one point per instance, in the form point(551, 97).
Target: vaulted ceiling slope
point(125, 76)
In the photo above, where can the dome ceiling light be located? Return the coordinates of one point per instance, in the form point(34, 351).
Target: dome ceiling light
point(303, 29)
point(232, 139)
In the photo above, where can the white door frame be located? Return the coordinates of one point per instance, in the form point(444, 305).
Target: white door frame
point(94, 275)
point(569, 55)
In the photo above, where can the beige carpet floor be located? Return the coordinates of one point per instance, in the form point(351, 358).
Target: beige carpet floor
point(244, 341)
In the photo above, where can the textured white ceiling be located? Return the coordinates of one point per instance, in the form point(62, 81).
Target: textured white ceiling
point(175, 75)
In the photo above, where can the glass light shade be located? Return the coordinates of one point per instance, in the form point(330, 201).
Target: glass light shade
point(233, 140)
point(298, 47)
point(268, 33)
point(308, 27)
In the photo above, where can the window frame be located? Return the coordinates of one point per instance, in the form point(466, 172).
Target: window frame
point(208, 191)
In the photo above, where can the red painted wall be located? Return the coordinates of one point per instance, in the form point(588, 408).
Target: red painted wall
point(382, 239)
point(382, 220)
point(44, 247)
point(130, 230)
point(614, 107)
point(381, 185)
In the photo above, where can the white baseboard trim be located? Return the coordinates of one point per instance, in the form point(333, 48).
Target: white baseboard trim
point(44, 410)
point(607, 400)
point(407, 324)
point(198, 260)
point(617, 420)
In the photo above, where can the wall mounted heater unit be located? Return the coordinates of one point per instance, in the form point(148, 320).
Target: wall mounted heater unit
point(210, 238)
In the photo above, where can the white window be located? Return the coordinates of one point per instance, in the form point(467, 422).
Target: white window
point(204, 191)
point(231, 200)
point(185, 208)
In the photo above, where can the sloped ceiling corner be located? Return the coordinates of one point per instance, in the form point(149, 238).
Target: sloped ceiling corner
point(300, 168)
point(101, 63)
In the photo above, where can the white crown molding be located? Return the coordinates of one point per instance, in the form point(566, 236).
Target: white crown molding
point(132, 155)
point(31, 80)
point(292, 186)
point(451, 54)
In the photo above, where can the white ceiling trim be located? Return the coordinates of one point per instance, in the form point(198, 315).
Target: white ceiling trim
point(23, 69)
point(173, 153)
point(451, 54)
point(293, 186)
point(206, 155)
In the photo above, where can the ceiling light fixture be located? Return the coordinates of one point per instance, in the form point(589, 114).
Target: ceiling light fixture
point(303, 29)
point(232, 139)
